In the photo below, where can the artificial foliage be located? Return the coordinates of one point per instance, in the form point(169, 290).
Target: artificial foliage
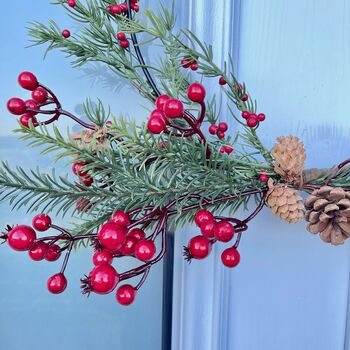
point(130, 183)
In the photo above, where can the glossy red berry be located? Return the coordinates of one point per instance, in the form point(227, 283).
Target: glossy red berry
point(145, 250)
point(71, 3)
point(222, 126)
point(126, 294)
point(66, 33)
point(103, 279)
point(263, 178)
point(124, 44)
point(16, 106)
point(252, 122)
point(136, 8)
point(121, 218)
point(26, 118)
point(56, 284)
point(156, 124)
point(87, 180)
point(123, 7)
point(228, 149)
point(230, 257)
point(21, 237)
point(245, 114)
point(220, 134)
point(39, 95)
point(173, 108)
point(38, 250)
point(261, 117)
point(41, 222)
point(128, 247)
point(199, 247)
point(213, 129)
point(207, 229)
point(186, 63)
point(222, 150)
point(28, 81)
point(137, 233)
point(202, 217)
point(224, 231)
point(77, 169)
point(115, 9)
point(245, 97)
point(196, 92)
point(222, 81)
point(31, 104)
point(160, 101)
point(112, 236)
point(121, 36)
point(53, 252)
point(103, 257)
point(194, 66)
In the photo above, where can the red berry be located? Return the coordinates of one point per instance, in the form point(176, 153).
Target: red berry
point(57, 283)
point(53, 252)
point(38, 250)
point(252, 122)
point(103, 257)
point(196, 92)
point(66, 33)
point(26, 118)
point(41, 222)
point(31, 104)
point(261, 117)
point(126, 294)
point(121, 36)
point(128, 247)
point(115, 9)
point(194, 66)
point(223, 126)
point(121, 218)
point(28, 81)
point(186, 63)
point(123, 7)
point(222, 81)
point(87, 180)
point(222, 150)
point(112, 236)
point(245, 114)
point(160, 101)
point(245, 97)
point(213, 129)
point(207, 229)
point(145, 250)
point(136, 8)
point(21, 237)
point(71, 3)
point(39, 95)
point(220, 134)
point(230, 257)
point(173, 108)
point(263, 178)
point(199, 247)
point(103, 279)
point(124, 44)
point(224, 231)
point(158, 113)
point(228, 149)
point(202, 217)
point(16, 106)
point(137, 233)
point(156, 125)
point(77, 169)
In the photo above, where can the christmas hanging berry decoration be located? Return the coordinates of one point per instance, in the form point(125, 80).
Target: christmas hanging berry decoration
point(185, 162)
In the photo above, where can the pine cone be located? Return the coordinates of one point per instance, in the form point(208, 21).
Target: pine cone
point(328, 213)
point(289, 155)
point(285, 202)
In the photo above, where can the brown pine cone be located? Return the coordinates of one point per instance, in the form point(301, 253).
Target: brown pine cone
point(328, 213)
point(289, 155)
point(285, 202)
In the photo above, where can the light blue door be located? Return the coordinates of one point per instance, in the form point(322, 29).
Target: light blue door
point(290, 291)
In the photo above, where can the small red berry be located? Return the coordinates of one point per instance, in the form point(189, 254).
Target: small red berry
point(202, 217)
point(245, 97)
point(223, 126)
point(53, 252)
point(137, 233)
point(41, 222)
point(31, 104)
point(21, 237)
point(207, 229)
point(124, 44)
point(103, 279)
point(115, 9)
point(123, 7)
point(199, 247)
point(196, 92)
point(112, 236)
point(128, 247)
point(263, 178)
point(224, 231)
point(261, 117)
point(103, 257)
point(222, 150)
point(156, 124)
point(245, 114)
point(158, 113)
point(77, 169)
point(71, 3)
point(121, 36)
point(38, 250)
point(28, 81)
point(145, 250)
point(126, 294)
point(213, 129)
point(39, 95)
point(186, 63)
point(228, 149)
point(26, 118)
point(136, 8)
point(222, 81)
point(160, 101)
point(194, 66)
point(87, 180)
point(173, 108)
point(16, 106)
point(252, 122)
point(66, 33)
point(57, 283)
point(121, 218)
point(230, 257)
point(220, 134)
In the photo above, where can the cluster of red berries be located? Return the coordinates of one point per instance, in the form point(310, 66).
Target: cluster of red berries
point(85, 178)
point(219, 129)
point(123, 41)
point(253, 119)
point(226, 149)
point(212, 230)
point(24, 238)
point(263, 176)
point(188, 63)
point(118, 9)
point(17, 106)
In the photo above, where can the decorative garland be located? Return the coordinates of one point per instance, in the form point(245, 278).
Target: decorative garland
point(182, 165)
